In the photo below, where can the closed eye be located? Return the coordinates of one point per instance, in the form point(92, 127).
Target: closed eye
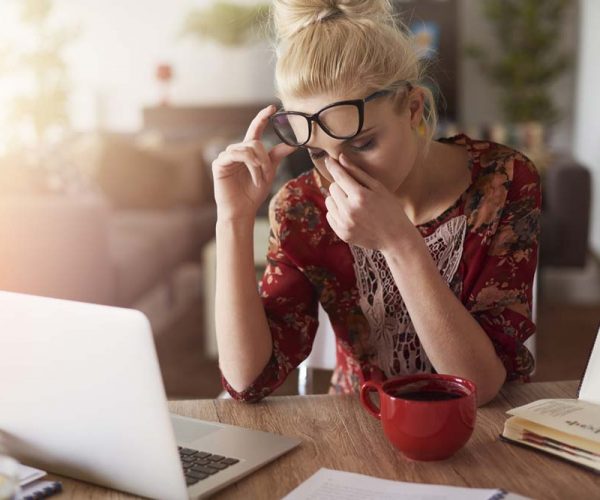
point(317, 154)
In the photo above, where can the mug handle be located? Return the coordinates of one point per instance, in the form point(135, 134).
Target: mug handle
point(368, 387)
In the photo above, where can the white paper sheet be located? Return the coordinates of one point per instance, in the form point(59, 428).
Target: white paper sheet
point(590, 387)
point(328, 484)
point(29, 474)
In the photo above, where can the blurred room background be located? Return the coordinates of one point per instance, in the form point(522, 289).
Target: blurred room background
point(112, 111)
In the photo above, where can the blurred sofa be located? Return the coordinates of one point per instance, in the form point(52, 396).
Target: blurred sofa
point(128, 235)
point(566, 213)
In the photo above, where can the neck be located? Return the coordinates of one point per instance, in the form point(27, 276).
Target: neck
point(436, 181)
point(415, 189)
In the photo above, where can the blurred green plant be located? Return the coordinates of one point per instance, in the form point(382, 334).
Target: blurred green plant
point(529, 36)
point(43, 103)
point(228, 23)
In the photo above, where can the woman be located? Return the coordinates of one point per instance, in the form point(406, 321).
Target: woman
point(421, 252)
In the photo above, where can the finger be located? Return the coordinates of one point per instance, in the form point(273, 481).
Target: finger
point(245, 157)
point(358, 173)
point(333, 215)
point(275, 156)
point(257, 174)
point(332, 221)
point(263, 158)
point(259, 123)
point(331, 205)
point(227, 158)
point(248, 149)
point(257, 149)
point(326, 179)
point(337, 194)
point(279, 152)
point(349, 184)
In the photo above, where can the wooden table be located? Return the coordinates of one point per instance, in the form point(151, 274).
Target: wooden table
point(337, 433)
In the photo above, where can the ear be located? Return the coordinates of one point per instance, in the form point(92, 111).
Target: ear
point(416, 105)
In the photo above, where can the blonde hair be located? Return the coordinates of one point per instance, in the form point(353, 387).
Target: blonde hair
point(346, 47)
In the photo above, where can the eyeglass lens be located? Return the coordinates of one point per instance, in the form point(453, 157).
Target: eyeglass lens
point(340, 121)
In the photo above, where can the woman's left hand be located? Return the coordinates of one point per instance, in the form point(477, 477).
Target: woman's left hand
point(362, 211)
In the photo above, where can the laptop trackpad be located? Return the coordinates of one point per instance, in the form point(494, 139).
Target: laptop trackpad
point(189, 429)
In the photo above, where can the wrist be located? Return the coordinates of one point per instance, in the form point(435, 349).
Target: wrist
point(234, 227)
point(409, 245)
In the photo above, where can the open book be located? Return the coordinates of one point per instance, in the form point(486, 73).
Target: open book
point(567, 428)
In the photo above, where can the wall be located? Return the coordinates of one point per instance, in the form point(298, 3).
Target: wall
point(122, 41)
point(128, 38)
point(587, 118)
point(478, 98)
point(112, 62)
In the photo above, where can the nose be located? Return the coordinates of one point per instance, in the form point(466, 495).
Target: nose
point(328, 145)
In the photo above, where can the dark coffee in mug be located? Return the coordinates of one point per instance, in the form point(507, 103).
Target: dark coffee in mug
point(424, 395)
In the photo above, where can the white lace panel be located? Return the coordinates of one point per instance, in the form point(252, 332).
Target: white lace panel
point(392, 334)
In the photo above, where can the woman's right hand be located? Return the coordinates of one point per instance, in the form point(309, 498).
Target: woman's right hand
point(243, 174)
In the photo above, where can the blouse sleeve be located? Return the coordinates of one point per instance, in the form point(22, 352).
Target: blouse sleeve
point(501, 296)
point(291, 305)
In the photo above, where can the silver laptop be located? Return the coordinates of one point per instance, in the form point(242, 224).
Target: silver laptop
point(81, 395)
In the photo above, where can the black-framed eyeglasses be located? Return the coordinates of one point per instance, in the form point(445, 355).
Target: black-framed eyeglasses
point(340, 120)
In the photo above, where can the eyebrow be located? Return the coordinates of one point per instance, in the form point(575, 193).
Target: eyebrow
point(346, 141)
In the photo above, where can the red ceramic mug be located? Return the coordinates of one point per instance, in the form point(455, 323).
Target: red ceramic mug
point(426, 416)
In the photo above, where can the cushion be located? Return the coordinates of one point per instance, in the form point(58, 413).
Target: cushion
point(138, 264)
point(171, 232)
point(192, 179)
point(134, 178)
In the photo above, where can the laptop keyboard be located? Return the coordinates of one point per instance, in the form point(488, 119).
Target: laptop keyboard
point(198, 465)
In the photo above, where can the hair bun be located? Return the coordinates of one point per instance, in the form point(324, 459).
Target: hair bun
point(291, 16)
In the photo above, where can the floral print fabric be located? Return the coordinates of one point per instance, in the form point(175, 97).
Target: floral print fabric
point(307, 263)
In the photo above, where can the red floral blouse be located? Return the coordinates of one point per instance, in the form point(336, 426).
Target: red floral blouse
point(485, 246)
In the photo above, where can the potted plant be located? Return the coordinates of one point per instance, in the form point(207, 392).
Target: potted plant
point(228, 23)
point(235, 56)
point(528, 33)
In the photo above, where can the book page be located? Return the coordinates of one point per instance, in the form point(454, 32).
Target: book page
point(590, 387)
point(520, 427)
point(554, 446)
point(328, 484)
point(572, 416)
